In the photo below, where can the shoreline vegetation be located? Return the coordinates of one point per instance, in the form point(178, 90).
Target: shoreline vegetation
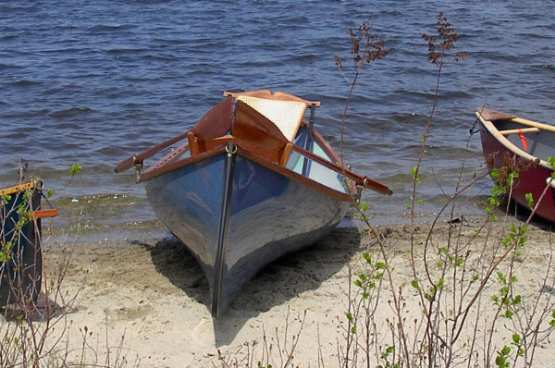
point(457, 291)
point(156, 297)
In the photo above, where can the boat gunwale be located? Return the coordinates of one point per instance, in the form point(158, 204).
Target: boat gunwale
point(345, 197)
point(167, 167)
point(21, 187)
point(174, 165)
point(317, 136)
point(494, 131)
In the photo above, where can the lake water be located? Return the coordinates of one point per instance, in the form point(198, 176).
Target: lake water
point(94, 82)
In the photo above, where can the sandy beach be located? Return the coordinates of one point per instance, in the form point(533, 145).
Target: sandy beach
point(155, 296)
point(87, 84)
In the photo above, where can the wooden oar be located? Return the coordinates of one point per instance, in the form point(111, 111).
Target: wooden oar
point(139, 158)
point(51, 212)
point(534, 124)
point(359, 179)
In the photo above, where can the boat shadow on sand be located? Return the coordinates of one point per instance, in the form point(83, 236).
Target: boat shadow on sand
point(277, 283)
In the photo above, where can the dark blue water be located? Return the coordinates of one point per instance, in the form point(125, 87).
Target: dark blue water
point(93, 82)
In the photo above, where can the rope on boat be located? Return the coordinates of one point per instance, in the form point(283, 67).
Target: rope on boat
point(523, 140)
point(473, 129)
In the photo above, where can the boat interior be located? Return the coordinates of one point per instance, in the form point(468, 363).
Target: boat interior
point(534, 138)
point(537, 142)
point(279, 118)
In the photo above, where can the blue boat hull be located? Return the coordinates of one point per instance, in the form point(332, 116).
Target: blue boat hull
point(236, 216)
point(21, 272)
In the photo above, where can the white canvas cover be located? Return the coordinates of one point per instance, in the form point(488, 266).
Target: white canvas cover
point(286, 115)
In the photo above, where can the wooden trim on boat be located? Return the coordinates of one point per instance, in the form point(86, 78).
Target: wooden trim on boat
point(18, 188)
point(297, 177)
point(285, 154)
point(171, 155)
point(267, 94)
point(360, 180)
point(492, 129)
point(51, 212)
point(192, 142)
point(517, 131)
point(328, 149)
point(174, 165)
point(215, 122)
point(247, 146)
point(533, 124)
point(149, 152)
point(492, 115)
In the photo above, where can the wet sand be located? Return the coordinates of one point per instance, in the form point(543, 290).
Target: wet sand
point(155, 294)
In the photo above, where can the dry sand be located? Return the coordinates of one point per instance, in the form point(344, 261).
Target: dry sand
point(156, 296)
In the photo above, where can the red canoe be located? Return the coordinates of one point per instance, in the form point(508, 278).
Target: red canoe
point(525, 146)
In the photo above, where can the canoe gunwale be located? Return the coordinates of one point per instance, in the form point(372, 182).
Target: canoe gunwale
point(174, 165)
point(492, 129)
point(345, 197)
point(158, 170)
point(31, 185)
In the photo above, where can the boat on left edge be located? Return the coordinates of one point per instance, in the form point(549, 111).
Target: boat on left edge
point(251, 181)
point(21, 215)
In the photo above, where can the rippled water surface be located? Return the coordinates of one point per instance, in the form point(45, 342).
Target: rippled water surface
point(93, 82)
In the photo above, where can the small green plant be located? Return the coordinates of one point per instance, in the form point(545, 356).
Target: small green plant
point(529, 197)
point(503, 357)
point(388, 357)
point(74, 169)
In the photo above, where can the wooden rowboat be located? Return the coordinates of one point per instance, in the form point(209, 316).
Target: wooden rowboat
point(514, 143)
point(20, 242)
point(251, 181)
